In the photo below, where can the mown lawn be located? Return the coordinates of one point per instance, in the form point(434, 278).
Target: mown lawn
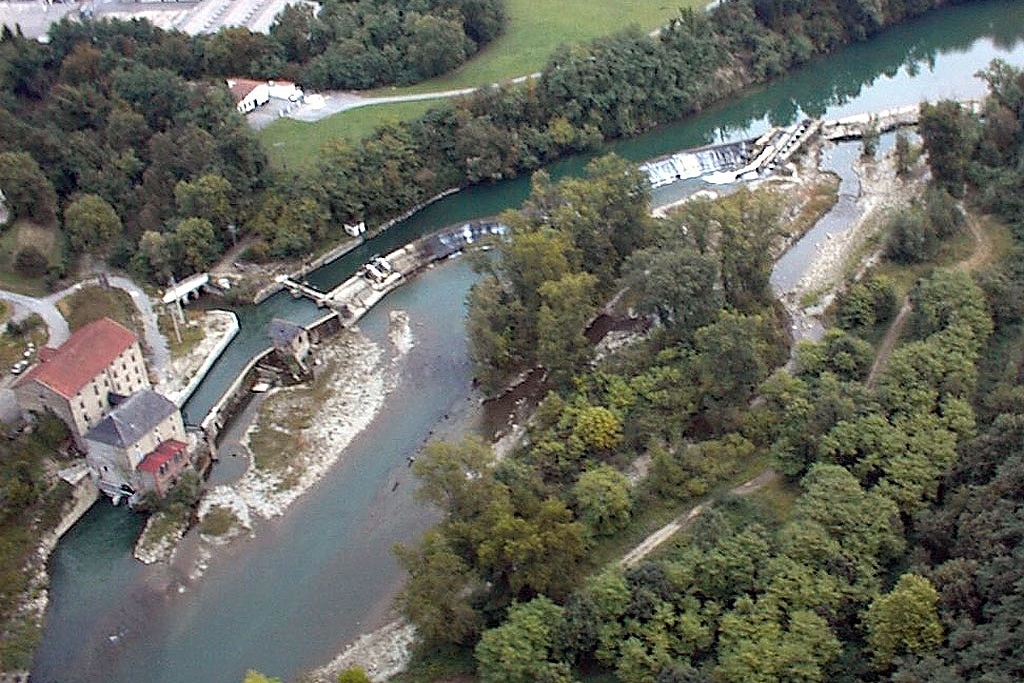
point(12, 240)
point(535, 29)
point(295, 144)
point(93, 302)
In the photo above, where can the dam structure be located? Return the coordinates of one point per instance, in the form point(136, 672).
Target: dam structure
point(382, 274)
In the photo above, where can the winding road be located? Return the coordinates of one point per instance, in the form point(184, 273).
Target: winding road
point(159, 355)
point(24, 306)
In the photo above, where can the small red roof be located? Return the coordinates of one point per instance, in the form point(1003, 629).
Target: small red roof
point(162, 454)
point(84, 355)
point(240, 87)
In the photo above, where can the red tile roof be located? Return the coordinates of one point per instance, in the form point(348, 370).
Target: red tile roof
point(163, 453)
point(83, 356)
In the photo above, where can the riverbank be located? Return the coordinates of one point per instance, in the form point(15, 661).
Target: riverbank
point(298, 435)
point(302, 431)
point(184, 372)
point(386, 651)
point(841, 254)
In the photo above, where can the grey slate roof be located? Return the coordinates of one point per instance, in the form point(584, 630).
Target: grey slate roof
point(283, 332)
point(131, 420)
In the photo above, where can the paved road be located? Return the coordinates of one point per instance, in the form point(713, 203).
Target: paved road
point(46, 307)
point(337, 101)
point(159, 352)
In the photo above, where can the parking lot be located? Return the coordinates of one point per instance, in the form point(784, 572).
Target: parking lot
point(34, 18)
point(193, 18)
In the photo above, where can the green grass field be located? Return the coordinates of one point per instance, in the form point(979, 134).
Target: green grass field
point(24, 233)
point(535, 29)
point(92, 302)
point(296, 144)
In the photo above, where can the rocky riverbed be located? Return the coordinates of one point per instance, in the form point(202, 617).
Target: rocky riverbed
point(846, 252)
point(386, 651)
point(355, 375)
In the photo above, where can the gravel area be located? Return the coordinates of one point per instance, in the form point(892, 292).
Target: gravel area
point(381, 653)
point(360, 380)
point(180, 370)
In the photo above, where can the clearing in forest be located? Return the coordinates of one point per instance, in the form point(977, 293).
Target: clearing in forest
point(534, 30)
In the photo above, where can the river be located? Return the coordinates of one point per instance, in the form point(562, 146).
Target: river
point(288, 599)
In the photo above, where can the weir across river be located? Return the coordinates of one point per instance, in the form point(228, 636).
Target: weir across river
point(290, 598)
point(355, 296)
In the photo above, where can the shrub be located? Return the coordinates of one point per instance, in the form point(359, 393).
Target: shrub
point(30, 262)
point(911, 238)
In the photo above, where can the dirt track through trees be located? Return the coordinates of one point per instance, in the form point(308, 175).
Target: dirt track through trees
point(982, 255)
point(652, 542)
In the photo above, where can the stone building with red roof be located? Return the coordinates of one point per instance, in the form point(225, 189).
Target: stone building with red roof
point(139, 446)
point(81, 380)
point(159, 470)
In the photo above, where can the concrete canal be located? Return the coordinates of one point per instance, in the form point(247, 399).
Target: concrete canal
point(288, 599)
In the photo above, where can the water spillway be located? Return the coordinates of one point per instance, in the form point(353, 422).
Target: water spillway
point(696, 163)
point(291, 597)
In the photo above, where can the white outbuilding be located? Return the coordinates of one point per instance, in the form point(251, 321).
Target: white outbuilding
point(248, 94)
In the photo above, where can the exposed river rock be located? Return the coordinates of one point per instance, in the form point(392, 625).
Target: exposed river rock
point(308, 583)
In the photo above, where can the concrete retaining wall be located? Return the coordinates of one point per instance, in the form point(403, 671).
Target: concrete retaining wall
point(883, 121)
point(84, 495)
point(333, 254)
point(354, 297)
point(267, 292)
point(419, 207)
point(232, 399)
point(342, 249)
point(240, 391)
point(208, 362)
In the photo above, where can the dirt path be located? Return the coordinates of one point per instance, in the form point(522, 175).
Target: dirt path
point(889, 342)
point(982, 254)
point(652, 542)
point(983, 249)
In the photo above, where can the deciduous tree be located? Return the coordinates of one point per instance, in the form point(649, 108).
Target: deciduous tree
point(677, 285)
point(523, 649)
point(26, 190)
point(91, 224)
point(603, 500)
point(904, 621)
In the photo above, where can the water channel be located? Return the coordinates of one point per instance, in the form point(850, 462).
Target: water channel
point(289, 598)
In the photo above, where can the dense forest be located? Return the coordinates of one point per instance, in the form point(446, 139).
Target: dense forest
point(898, 556)
point(121, 133)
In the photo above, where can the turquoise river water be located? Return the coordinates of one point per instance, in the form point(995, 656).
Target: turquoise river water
point(288, 599)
